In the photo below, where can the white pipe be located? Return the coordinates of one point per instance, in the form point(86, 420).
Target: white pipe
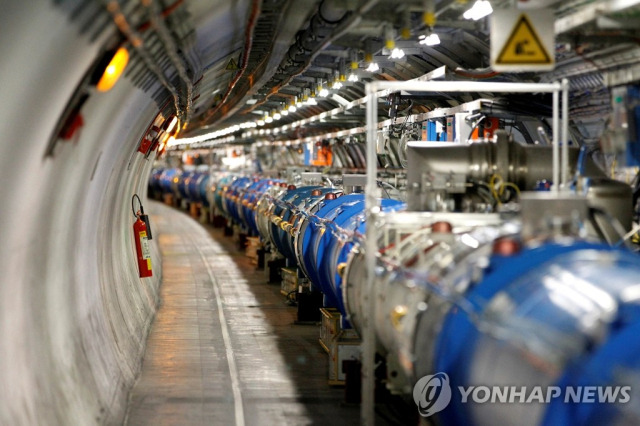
point(565, 134)
point(468, 86)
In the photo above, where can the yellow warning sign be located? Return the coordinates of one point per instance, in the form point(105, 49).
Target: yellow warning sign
point(232, 65)
point(523, 46)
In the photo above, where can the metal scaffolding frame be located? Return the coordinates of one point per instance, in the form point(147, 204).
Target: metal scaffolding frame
point(373, 91)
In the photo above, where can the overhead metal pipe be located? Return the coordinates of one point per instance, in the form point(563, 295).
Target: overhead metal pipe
point(341, 28)
point(248, 43)
point(155, 17)
point(330, 13)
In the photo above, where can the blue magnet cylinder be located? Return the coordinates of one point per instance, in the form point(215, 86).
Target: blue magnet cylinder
point(219, 196)
point(249, 199)
point(154, 180)
point(326, 242)
point(196, 186)
point(567, 313)
point(292, 201)
point(183, 179)
point(168, 180)
point(235, 191)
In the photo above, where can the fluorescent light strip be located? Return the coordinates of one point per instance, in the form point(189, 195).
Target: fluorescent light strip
point(277, 130)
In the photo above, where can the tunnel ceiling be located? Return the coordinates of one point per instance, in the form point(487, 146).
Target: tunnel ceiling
point(225, 63)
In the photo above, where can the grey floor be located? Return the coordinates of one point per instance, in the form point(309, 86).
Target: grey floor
point(245, 364)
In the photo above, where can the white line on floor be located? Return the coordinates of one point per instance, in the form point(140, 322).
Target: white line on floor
point(231, 360)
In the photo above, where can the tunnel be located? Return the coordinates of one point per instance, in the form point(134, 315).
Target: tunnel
point(441, 204)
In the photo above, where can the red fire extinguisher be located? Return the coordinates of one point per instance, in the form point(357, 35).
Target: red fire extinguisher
point(142, 235)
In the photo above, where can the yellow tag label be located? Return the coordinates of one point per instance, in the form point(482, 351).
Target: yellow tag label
point(144, 245)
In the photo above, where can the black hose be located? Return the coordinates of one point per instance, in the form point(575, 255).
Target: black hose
point(133, 207)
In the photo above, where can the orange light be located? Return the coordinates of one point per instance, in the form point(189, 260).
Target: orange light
point(114, 70)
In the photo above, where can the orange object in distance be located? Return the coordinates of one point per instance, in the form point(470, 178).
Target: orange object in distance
point(323, 156)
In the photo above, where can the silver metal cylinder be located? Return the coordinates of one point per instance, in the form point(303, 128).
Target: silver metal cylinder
point(408, 313)
point(523, 165)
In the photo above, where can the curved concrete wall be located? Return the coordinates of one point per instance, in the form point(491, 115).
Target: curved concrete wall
point(74, 315)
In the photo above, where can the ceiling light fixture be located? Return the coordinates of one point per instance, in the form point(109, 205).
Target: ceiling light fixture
point(389, 37)
point(342, 71)
point(306, 95)
point(430, 40)
point(405, 29)
point(353, 59)
point(429, 15)
point(369, 49)
point(337, 81)
point(479, 10)
point(373, 67)
point(292, 104)
point(397, 53)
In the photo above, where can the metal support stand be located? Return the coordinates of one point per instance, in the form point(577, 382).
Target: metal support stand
point(556, 147)
point(565, 135)
point(368, 297)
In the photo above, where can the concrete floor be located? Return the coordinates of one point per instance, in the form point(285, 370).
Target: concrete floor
point(223, 348)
